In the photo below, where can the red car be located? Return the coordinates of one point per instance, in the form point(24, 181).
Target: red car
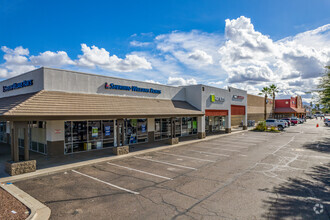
point(294, 121)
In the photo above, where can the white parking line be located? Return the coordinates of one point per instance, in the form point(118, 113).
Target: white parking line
point(171, 164)
point(140, 171)
point(217, 148)
point(193, 158)
point(96, 179)
point(237, 142)
point(228, 145)
point(210, 153)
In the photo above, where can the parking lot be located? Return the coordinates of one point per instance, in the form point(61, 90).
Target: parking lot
point(250, 175)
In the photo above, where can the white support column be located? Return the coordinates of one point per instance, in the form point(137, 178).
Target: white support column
point(228, 122)
point(245, 119)
point(201, 127)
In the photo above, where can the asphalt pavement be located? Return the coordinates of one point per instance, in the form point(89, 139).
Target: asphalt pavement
point(251, 175)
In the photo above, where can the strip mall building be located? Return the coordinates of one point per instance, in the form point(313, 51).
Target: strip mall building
point(56, 112)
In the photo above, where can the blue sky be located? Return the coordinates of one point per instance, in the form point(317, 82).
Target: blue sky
point(172, 42)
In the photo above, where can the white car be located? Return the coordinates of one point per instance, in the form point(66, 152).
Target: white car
point(276, 123)
point(285, 122)
point(327, 122)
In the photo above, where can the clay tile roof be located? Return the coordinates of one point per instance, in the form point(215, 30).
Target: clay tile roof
point(51, 104)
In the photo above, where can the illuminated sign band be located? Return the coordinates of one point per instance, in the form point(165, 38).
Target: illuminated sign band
point(238, 97)
point(14, 86)
point(214, 98)
point(132, 88)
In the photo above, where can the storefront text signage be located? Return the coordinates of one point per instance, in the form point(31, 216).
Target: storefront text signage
point(14, 86)
point(238, 97)
point(107, 130)
point(214, 98)
point(132, 88)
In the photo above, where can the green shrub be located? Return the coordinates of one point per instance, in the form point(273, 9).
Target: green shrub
point(261, 126)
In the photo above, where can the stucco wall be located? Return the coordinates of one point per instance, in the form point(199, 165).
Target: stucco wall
point(75, 82)
point(35, 75)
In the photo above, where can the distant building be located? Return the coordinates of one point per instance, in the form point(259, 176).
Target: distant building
point(289, 108)
point(308, 109)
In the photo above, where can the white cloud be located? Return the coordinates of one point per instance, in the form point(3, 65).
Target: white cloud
point(49, 58)
point(196, 50)
point(152, 81)
point(251, 58)
point(179, 81)
point(201, 56)
point(96, 57)
point(135, 43)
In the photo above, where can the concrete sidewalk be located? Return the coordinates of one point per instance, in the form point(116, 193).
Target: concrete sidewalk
point(65, 167)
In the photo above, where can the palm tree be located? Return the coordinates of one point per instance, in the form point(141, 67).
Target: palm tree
point(265, 91)
point(273, 90)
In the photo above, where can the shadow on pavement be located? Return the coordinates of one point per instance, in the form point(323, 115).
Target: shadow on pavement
point(296, 198)
point(322, 146)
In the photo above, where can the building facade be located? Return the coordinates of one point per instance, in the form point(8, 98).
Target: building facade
point(292, 107)
point(256, 108)
point(56, 112)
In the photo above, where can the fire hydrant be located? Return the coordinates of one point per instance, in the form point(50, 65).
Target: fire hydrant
point(317, 125)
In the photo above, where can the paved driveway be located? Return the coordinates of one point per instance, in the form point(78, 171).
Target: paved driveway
point(249, 175)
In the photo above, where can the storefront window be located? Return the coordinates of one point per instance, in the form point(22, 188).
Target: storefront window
point(177, 127)
point(94, 136)
point(3, 134)
point(88, 135)
point(38, 142)
point(131, 131)
point(108, 133)
point(183, 127)
point(142, 131)
point(158, 124)
point(166, 128)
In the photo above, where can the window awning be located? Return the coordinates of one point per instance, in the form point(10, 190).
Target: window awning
point(51, 105)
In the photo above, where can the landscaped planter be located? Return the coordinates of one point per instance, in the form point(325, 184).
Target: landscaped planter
point(16, 168)
point(173, 141)
point(120, 150)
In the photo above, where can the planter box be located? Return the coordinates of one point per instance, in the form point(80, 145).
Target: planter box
point(16, 168)
point(173, 141)
point(120, 150)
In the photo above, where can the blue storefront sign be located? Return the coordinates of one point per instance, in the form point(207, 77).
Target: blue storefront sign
point(20, 85)
point(131, 88)
point(107, 130)
point(143, 128)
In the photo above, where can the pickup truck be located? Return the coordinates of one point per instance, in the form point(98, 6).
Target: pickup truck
point(275, 123)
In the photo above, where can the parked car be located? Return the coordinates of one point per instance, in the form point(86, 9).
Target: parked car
point(294, 120)
point(288, 120)
point(285, 122)
point(327, 122)
point(301, 120)
point(275, 123)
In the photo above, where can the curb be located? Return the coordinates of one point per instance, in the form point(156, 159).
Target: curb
point(38, 210)
point(67, 167)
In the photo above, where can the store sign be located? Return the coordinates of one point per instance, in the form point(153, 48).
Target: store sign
point(107, 130)
point(238, 97)
point(143, 128)
point(20, 85)
point(95, 131)
point(214, 98)
point(132, 88)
